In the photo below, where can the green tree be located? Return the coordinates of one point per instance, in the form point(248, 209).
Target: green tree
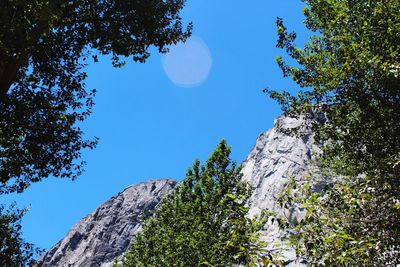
point(351, 71)
point(44, 47)
point(203, 222)
point(14, 251)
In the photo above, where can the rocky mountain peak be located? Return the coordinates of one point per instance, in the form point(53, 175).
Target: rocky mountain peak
point(275, 158)
point(104, 235)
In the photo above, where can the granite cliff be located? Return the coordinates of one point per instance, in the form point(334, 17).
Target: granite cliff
point(275, 158)
point(101, 237)
point(104, 235)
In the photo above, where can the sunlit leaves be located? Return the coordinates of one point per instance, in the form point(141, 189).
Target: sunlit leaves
point(14, 251)
point(204, 222)
point(349, 73)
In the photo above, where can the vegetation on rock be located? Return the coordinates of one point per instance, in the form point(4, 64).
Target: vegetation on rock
point(351, 71)
point(203, 222)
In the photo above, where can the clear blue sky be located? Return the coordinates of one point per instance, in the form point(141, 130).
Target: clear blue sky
point(151, 128)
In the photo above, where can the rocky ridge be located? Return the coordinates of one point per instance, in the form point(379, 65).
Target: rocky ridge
point(276, 158)
point(104, 235)
point(101, 237)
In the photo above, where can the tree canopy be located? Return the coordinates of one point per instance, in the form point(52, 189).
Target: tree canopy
point(203, 222)
point(350, 73)
point(14, 251)
point(44, 47)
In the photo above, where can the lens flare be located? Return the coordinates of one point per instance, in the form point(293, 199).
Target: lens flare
point(188, 64)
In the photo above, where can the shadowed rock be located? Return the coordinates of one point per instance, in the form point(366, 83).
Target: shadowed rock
point(104, 235)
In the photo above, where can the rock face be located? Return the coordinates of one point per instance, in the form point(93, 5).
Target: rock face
point(276, 158)
point(104, 235)
point(101, 237)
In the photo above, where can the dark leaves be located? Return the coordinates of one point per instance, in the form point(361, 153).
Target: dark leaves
point(14, 251)
point(44, 46)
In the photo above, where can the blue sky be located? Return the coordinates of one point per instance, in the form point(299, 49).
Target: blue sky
point(150, 127)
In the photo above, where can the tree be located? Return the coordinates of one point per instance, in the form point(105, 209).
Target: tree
point(14, 251)
point(203, 222)
point(350, 69)
point(44, 47)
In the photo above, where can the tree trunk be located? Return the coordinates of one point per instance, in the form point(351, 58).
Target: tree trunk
point(7, 78)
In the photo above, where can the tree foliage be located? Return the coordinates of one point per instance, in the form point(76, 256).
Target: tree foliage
point(351, 73)
point(44, 47)
point(14, 251)
point(203, 222)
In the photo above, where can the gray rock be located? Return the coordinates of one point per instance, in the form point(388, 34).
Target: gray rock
point(104, 235)
point(276, 158)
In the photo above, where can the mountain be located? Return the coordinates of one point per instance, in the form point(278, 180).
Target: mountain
point(104, 235)
point(101, 237)
point(275, 158)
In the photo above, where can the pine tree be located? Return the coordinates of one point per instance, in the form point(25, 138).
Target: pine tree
point(203, 222)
